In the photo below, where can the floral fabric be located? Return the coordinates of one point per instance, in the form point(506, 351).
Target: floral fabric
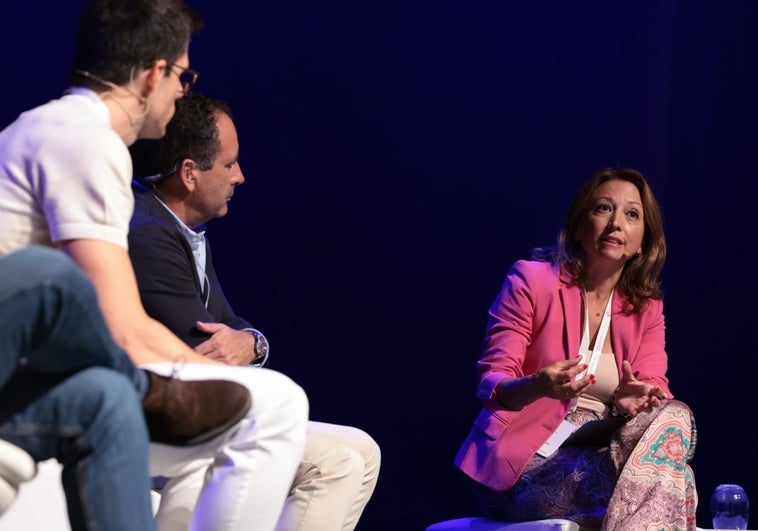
point(640, 479)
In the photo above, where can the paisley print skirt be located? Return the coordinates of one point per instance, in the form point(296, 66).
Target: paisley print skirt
point(639, 480)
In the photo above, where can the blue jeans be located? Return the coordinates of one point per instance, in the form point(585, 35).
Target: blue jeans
point(68, 391)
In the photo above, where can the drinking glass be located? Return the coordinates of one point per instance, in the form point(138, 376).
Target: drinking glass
point(729, 507)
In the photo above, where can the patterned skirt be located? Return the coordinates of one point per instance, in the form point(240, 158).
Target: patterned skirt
point(640, 479)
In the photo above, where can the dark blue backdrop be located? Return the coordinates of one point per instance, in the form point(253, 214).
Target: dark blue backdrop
point(401, 155)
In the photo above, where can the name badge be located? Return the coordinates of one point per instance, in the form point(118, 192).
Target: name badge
point(557, 438)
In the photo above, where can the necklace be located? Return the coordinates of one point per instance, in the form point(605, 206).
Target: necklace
point(594, 309)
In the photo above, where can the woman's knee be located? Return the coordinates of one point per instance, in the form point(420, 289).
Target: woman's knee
point(682, 414)
point(677, 409)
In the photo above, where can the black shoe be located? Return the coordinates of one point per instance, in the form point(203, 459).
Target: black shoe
point(187, 413)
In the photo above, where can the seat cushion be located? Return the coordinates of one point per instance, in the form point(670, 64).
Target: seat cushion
point(16, 466)
point(8, 492)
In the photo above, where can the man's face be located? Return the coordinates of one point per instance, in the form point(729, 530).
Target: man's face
point(162, 102)
point(215, 187)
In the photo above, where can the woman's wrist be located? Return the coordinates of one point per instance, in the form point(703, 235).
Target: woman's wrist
point(615, 411)
point(515, 393)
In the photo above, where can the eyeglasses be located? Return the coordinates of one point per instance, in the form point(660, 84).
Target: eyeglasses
point(187, 76)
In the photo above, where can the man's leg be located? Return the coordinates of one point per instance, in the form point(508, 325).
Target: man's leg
point(335, 480)
point(49, 308)
point(52, 325)
point(92, 423)
point(239, 480)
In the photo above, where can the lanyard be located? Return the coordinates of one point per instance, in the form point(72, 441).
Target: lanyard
point(593, 359)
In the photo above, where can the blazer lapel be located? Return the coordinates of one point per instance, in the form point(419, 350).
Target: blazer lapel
point(571, 302)
point(621, 328)
point(158, 211)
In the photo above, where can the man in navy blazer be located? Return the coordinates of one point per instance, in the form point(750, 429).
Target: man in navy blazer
point(188, 300)
point(182, 181)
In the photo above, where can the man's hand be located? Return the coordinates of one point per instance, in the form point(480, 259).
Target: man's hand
point(145, 340)
point(233, 347)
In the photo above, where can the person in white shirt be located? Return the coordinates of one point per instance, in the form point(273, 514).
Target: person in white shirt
point(65, 174)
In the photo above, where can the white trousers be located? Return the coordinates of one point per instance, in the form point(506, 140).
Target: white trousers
point(239, 480)
point(334, 481)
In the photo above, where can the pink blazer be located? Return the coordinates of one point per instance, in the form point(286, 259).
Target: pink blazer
point(535, 321)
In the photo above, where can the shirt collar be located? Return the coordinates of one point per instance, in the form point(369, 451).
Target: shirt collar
point(84, 92)
point(195, 237)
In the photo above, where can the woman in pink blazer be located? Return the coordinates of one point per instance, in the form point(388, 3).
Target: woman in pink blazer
point(575, 339)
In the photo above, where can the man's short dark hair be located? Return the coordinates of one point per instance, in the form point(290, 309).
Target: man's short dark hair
point(118, 38)
point(192, 133)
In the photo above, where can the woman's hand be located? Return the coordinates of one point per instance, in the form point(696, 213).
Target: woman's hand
point(557, 379)
point(634, 396)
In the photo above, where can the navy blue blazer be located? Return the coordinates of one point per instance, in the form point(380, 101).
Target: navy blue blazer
point(168, 282)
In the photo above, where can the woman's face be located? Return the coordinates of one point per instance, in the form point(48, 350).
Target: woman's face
point(614, 227)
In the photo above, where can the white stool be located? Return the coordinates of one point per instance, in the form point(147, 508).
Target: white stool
point(484, 524)
point(27, 513)
point(16, 466)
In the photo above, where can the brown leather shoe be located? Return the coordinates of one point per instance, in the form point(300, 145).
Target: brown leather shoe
point(186, 413)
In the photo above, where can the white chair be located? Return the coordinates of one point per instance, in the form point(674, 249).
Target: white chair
point(16, 467)
point(484, 524)
point(29, 512)
point(41, 502)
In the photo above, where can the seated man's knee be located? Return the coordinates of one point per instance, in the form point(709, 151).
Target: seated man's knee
point(53, 269)
point(293, 397)
point(107, 401)
point(372, 454)
point(69, 278)
point(355, 454)
point(298, 404)
point(366, 446)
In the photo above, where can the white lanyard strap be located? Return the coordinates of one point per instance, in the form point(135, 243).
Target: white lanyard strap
point(602, 332)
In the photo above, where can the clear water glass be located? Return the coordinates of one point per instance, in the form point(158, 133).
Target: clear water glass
point(729, 507)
